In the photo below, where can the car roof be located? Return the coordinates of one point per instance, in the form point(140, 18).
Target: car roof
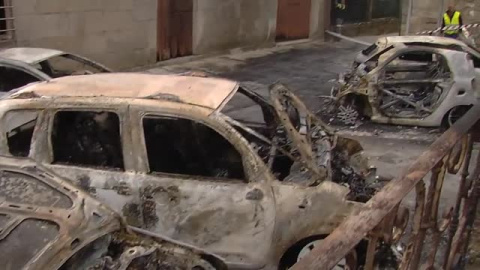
point(29, 55)
point(421, 39)
point(211, 93)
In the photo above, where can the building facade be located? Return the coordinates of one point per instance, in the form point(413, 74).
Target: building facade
point(427, 15)
point(128, 33)
point(118, 33)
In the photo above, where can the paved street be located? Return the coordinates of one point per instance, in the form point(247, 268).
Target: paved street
point(305, 68)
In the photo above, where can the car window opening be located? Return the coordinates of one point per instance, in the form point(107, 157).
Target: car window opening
point(19, 128)
point(89, 139)
point(65, 65)
point(372, 62)
point(243, 108)
point(437, 46)
point(254, 112)
point(280, 164)
point(12, 78)
point(413, 84)
point(185, 147)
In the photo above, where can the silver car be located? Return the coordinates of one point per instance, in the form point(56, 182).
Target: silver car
point(21, 66)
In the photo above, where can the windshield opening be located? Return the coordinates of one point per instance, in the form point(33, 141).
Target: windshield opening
point(67, 65)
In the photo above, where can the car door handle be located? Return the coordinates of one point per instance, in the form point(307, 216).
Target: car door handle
point(254, 195)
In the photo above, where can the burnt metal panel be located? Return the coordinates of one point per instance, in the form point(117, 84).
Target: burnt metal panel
point(24, 189)
point(30, 237)
point(293, 19)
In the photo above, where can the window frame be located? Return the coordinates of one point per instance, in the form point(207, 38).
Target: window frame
point(398, 54)
point(188, 176)
point(5, 145)
point(36, 121)
point(70, 57)
point(255, 170)
point(49, 158)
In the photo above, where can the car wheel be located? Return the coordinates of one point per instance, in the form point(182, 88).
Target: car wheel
point(349, 262)
point(455, 114)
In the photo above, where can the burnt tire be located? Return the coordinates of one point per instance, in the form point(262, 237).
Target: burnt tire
point(454, 115)
point(302, 248)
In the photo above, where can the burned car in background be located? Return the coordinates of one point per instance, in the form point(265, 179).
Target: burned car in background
point(48, 223)
point(161, 150)
point(21, 66)
point(427, 41)
point(409, 85)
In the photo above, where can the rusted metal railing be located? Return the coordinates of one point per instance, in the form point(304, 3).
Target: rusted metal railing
point(432, 242)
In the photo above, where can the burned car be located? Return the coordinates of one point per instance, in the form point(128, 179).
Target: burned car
point(48, 223)
point(21, 66)
point(409, 85)
point(163, 151)
point(426, 41)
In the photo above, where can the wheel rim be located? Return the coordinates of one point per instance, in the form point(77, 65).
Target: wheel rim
point(349, 262)
point(455, 114)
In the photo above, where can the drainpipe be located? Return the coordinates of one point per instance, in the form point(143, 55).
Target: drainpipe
point(409, 15)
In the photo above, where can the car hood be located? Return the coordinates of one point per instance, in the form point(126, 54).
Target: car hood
point(47, 222)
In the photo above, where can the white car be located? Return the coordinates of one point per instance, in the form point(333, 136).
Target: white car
point(21, 66)
point(410, 84)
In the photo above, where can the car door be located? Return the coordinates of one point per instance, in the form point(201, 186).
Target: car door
point(412, 83)
point(90, 147)
point(203, 184)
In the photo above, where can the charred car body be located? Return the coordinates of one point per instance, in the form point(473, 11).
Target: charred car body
point(425, 41)
point(21, 66)
point(410, 85)
point(48, 223)
point(162, 151)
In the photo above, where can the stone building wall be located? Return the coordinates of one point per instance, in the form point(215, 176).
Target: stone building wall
point(123, 33)
point(117, 33)
point(225, 24)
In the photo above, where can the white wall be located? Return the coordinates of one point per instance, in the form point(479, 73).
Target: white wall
point(117, 33)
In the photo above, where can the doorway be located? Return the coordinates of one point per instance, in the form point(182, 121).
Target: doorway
point(293, 19)
point(174, 28)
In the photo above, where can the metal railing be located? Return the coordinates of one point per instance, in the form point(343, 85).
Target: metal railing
point(7, 29)
point(448, 236)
